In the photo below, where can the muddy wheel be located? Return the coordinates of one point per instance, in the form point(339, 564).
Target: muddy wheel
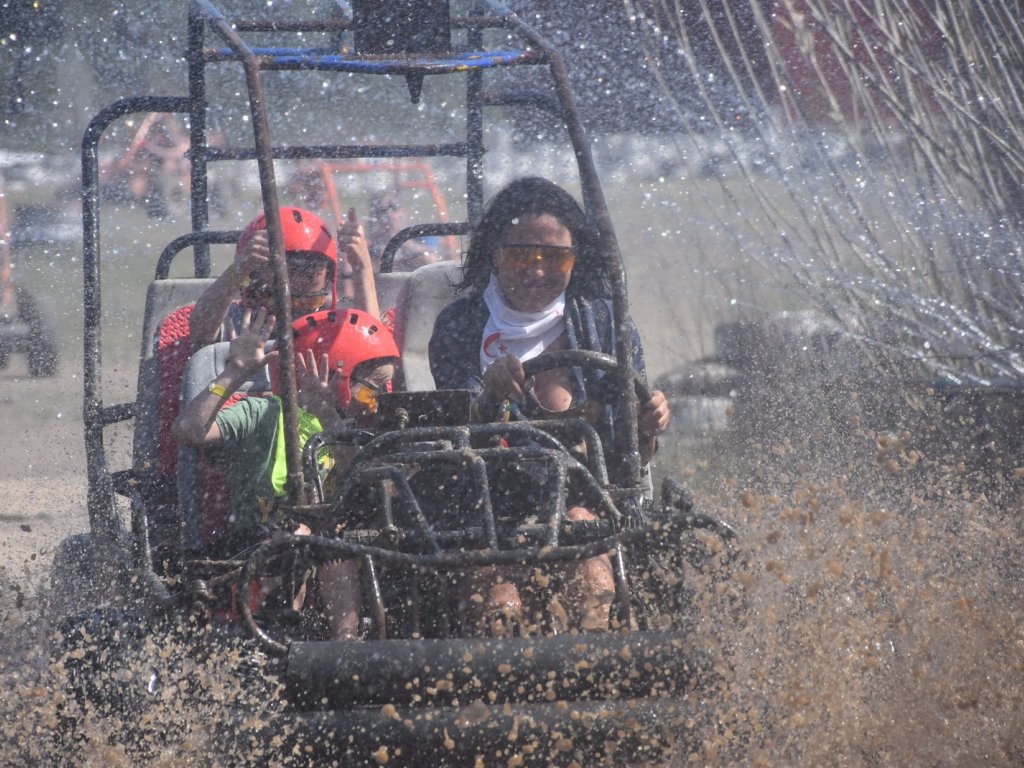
point(102, 657)
point(81, 576)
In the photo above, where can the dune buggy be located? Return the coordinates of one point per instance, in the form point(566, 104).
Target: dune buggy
point(429, 494)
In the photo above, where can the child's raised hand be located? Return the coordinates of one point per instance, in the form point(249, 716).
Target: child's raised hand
point(253, 256)
point(247, 353)
point(317, 393)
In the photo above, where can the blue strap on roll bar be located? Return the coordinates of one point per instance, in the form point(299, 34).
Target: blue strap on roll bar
point(311, 58)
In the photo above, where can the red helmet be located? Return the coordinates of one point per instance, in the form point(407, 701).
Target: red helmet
point(302, 231)
point(349, 338)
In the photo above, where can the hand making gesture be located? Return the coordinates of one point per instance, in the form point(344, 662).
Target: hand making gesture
point(354, 248)
point(247, 353)
point(318, 391)
point(353, 245)
point(196, 421)
point(254, 257)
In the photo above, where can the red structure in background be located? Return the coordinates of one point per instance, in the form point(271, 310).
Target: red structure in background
point(824, 69)
point(613, 50)
point(405, 174)
point(315, 184)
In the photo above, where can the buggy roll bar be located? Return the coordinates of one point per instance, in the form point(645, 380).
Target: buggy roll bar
point(100, 493)
point(201, 11)
point(204, 14)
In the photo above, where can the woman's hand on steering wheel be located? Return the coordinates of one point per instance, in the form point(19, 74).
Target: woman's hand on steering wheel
point(505, 379)
point(654, 416)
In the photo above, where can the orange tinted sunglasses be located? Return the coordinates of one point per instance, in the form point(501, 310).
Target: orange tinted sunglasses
point(522, 256)
point(366, 392)
point(309, 302)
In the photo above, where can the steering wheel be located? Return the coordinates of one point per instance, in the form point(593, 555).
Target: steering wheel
point(603, 391)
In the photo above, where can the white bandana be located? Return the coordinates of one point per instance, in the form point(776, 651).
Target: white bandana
point(522, 334)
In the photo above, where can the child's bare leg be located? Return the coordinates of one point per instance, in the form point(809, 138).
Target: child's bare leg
point(339, 585)
point(590, 585)
point(490, 601)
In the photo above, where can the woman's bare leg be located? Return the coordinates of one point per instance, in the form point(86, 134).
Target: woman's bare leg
point(490, 602)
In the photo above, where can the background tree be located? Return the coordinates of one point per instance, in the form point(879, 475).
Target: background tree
point(896, 130)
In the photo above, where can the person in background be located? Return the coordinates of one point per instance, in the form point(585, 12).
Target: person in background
point(385, 219)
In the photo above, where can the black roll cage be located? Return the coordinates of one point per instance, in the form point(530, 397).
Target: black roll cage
point(205, 20)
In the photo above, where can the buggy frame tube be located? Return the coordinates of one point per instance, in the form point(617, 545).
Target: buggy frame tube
point(100, 494)
point(294, 488)
point(199, 242)
point(475, 134)
point(198, 151)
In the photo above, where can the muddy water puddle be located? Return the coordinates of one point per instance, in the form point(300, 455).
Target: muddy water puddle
point(872, 617)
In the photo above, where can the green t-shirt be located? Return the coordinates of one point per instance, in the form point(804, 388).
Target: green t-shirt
point(249, 451)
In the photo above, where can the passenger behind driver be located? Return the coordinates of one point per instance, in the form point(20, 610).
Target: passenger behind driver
point(344, 360)
point(312, 257)
point(532, 285)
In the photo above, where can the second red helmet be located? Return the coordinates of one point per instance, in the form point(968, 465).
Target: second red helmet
point(348, 337)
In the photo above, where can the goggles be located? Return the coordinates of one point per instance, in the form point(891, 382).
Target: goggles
point(309, 302)
point(301, 302)
point(552, 258)
point(366, 392)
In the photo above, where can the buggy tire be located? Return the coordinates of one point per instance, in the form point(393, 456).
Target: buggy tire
point(80, 577)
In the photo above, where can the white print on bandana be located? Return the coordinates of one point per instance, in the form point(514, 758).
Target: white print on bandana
point(521, 334)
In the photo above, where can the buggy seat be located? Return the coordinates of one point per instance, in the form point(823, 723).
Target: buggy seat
point(165, 351)
point(424, 294)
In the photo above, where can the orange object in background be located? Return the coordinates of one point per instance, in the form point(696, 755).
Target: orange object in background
point(320, 189)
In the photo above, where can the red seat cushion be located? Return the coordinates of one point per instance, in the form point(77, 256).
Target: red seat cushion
point(173, 349)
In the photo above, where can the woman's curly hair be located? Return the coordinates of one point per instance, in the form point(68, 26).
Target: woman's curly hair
point(532, 195)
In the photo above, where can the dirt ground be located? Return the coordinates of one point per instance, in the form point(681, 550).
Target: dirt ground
point(882, 622)
point(42, 467)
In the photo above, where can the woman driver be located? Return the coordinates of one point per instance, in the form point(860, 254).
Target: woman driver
point(531, 287)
